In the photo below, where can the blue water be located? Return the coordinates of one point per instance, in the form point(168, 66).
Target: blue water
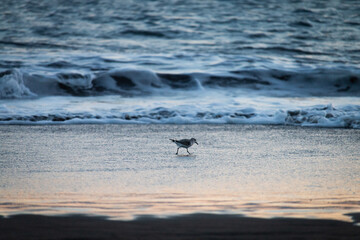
point(248, 62)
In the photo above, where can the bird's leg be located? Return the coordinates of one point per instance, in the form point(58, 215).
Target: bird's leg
point(177, 151)
point(188, 151)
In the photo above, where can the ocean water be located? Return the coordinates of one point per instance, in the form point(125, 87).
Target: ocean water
point(132, 61)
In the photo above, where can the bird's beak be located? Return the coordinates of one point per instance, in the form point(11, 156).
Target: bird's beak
point(196, 143)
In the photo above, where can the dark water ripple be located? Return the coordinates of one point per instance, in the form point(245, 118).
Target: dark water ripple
point(61, 25)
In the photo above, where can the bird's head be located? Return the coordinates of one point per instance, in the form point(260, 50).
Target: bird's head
point(194, 141)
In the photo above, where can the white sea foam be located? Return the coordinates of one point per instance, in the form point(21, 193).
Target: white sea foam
point(12, 85)
point(199, 107)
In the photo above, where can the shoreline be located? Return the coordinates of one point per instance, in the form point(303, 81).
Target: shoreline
point(121, 122)
point(192, 226)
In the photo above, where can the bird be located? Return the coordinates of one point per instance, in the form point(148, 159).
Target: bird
point(184, 143)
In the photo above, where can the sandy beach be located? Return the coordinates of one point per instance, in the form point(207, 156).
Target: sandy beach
point(125, 182)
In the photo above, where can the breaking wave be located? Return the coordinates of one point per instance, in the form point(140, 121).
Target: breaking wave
point(303, 97)
point(128, 82)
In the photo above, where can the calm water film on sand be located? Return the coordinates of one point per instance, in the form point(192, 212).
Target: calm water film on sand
point(92, 91)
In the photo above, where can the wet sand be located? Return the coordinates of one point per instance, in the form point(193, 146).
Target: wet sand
point(195, 226)
point(284, 182)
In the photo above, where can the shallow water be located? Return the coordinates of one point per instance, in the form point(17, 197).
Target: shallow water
point(123, 171)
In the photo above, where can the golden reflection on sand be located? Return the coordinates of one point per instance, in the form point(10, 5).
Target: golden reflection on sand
point(130, 205)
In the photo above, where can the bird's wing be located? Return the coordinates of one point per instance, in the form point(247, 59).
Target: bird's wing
point(185, 142)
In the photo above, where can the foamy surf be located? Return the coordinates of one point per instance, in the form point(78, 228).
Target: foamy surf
point(214, 108)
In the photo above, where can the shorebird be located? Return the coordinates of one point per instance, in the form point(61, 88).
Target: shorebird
point(184, 143)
